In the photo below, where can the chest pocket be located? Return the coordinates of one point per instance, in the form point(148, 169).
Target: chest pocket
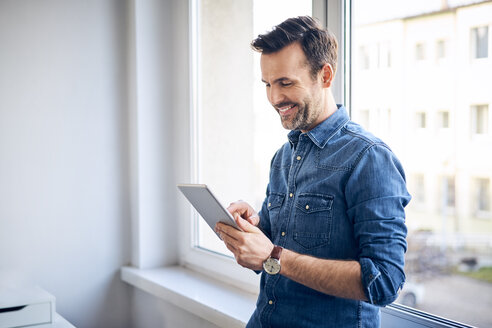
point(312, 227)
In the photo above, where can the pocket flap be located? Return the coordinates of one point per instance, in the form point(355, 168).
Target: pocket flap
point(275, 200)
point(309, 203)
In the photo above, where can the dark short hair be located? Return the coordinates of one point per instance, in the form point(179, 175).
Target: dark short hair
point(319, 45)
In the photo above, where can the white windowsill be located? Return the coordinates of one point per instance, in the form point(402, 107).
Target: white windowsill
point(212, 300)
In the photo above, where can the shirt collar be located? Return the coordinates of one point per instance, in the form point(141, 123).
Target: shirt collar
point(324, 131)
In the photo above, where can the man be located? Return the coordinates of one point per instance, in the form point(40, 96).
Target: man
point(330, 235)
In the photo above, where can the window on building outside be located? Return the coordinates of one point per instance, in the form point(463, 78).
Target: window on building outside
point(420, 51)
point(480, 42)
point(449, 220)
point(443, 119)
point(480, 119)
point(421, 120)
point(482, 189)
point(448, 189)
point(384, 55)
point(440, 49)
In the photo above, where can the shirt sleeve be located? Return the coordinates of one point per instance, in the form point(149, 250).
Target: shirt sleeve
point(265, 217)
point(265, 225)
point(376, 196)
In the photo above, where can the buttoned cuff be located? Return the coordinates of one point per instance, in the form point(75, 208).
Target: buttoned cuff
point(378, 285)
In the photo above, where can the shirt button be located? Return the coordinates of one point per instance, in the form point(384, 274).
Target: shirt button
point(307, 207)
point(298, 158)
point(269, 204)
point(291, 195)
point(283, 233)
point(270, 302)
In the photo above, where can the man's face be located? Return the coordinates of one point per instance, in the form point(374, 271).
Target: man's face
point(291, 89)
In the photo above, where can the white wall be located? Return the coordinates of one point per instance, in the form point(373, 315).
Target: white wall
point(93, 98)
point(64, 194)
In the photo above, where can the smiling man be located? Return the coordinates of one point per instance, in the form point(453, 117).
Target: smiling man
point(330, 236)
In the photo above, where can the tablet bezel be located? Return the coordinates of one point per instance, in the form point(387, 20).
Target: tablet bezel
point(207, 205)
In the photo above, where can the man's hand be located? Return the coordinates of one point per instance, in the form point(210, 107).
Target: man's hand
point(245, 211)
point(250, 246)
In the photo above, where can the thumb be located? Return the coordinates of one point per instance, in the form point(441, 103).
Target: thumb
point(244, 224)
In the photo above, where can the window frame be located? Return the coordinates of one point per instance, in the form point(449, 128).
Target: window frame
point(336, 15)
point(192, 256)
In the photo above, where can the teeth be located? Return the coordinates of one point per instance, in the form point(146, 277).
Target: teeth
point(285, 109)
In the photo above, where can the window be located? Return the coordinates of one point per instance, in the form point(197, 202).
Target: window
point(449, 218)
point(447, 194)
point(419, 51)
point(226, 75)
point(480, 119)
point(232, 118)
point(440, 49)
point(480, 42)
point(482, 197)
point(384, 55)
point(443, 119)
point(421, 120)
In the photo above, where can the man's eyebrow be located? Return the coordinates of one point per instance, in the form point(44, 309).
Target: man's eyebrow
point(280, 79)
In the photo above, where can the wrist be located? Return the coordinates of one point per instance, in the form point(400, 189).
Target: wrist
point(272, 264)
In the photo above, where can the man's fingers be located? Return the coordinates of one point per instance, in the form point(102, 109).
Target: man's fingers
point(245, 225)
point(254, 219)
point(226, 230)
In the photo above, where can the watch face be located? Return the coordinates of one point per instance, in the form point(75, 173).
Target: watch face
point(271, 266)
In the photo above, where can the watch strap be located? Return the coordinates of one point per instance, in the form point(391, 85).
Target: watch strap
point(276, 252)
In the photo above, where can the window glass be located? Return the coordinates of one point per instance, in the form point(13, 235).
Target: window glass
point(238, 131)
point(480, 41)
point(440, 49)
point(421, 120)
point(419, 51)
point(449, 173)
point(443, 119)
point(480, 119)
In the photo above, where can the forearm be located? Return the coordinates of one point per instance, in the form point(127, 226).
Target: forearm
point(333, 277)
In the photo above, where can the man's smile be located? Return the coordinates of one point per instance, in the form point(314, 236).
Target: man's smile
point(285, 110)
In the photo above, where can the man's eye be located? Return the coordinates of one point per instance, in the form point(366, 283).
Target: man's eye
point(286, 84)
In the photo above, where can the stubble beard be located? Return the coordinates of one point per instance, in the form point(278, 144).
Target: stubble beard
point(304, 118)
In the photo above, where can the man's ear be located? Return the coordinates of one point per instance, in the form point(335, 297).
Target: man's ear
point(327, 75)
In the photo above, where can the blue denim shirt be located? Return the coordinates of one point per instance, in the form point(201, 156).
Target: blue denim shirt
point(335, 192)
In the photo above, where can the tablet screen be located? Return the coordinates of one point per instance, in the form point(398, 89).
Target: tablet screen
point(207, 205)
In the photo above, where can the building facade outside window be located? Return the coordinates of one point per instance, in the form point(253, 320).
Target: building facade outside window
point(449, 260)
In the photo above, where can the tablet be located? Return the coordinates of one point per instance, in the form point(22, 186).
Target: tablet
point(207, 205)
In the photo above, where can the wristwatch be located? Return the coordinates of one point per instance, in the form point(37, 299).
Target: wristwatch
point(272, 264)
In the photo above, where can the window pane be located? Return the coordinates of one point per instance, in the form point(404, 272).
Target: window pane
point(421, 120)
point(440, 49)
point(443, 119)
point(480, 119)
point(237, 136)
point(449, 173)
point(480, 41)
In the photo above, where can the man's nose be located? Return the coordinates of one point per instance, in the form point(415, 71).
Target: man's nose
point(276, 95)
